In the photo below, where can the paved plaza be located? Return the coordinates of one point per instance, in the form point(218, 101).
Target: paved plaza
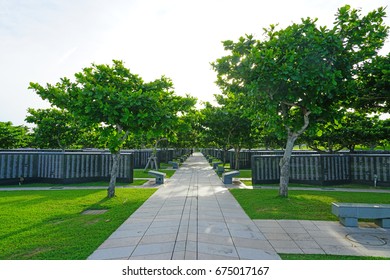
point(193, 216)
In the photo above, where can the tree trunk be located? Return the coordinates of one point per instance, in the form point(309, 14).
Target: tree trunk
point(237, 158)
point(114, 174)
point(284, 165)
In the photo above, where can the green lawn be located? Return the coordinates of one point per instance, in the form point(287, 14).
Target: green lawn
point(245, 173)
point(49, 224)
point(300, 205)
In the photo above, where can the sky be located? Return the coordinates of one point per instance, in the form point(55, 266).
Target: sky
point(44, 40)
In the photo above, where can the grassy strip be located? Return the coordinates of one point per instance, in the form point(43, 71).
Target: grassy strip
point(49, 225)
point(87, 184)
point(300, 205)
point(343, 186)
point(326, 257)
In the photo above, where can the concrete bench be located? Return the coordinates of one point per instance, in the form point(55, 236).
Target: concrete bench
point(227, 178)
point(215, 164)
point(220, 169)
point(175, 165)
point(159, 176)
point(349, 213)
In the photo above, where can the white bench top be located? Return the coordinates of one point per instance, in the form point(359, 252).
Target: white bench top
point(153, 172)
point(360, 205)
point(232, 173)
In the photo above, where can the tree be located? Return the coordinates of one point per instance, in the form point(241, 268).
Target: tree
point(374, 85)
point(353, 129)
point(301, 73)
point(239, 129)
point(12, 137)
point(56, 128)
point(187, 130)
point(227, 126)
point(119, 101)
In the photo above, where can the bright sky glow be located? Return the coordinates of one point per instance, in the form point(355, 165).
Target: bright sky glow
point(44, 40)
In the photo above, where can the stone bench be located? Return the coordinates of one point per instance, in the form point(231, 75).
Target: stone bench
point(349, 213)
point(215, 164)
point(220, 169)
point(227, 178)
point(159, 176)
point(175, 165)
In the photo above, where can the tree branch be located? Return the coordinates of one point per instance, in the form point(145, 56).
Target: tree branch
point(306, 119)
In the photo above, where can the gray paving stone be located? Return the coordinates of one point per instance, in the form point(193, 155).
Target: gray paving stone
point(203, 256)
point(165, 223)
point(178, 255)
point(289, 223)
point(153, 249)
point(267, 223)
point(112, 253)
point(341, 250)
point(255, 235)
point(215, 239)
point(188, 255)
point(333, 241)
point(250, 243)
point(300, 236)
point(290, 230)
point(307, 244)
point(272, 230)
point(216, 249)
point(127, 233)
point(277, 236)
point(162, 256)
point(318, 251)
point(278, 244)
point(246, 226)
point(120, 242)
point(157, 238)
point(256, 254)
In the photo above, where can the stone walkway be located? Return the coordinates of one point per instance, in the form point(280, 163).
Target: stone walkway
point(194, 216)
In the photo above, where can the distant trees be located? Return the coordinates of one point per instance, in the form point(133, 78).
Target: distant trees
point(227, 127)
point(12, 137)
point(58, 129)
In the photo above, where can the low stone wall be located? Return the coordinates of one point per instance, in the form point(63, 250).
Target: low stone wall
point(323, 169)
point(62, 167)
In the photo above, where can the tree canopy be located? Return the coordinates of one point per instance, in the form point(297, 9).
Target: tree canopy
point(12, 136)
